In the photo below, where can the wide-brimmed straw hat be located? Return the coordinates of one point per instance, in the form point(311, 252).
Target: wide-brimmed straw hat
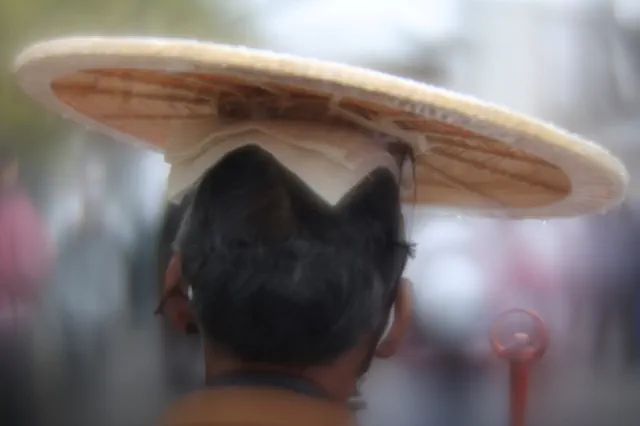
point(469, 155)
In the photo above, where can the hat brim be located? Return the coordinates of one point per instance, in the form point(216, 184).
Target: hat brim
point(470, 155)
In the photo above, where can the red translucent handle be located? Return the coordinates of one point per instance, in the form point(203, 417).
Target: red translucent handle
point(520, 352)
point(518, 386)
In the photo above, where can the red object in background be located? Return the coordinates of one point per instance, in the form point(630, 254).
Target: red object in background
point(26, 256)
point(529, 259)
point(520, 352)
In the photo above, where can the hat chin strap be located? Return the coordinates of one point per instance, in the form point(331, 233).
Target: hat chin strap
point(330, 159)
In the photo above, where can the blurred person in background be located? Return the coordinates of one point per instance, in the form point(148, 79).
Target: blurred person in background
point(616, 281)
point(452, 296)
point(25, 263)
point(532, 259)
point(90, 287)
point(576, 270)
point(534, 255)
point(145, 188)
point(394, 391)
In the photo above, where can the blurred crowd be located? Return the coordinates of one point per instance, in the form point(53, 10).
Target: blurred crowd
point(77, 273)
point(579, 275)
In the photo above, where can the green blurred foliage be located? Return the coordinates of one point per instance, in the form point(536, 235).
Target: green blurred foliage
point(25, 21)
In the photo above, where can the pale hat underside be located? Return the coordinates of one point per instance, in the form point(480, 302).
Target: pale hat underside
point(472, 156)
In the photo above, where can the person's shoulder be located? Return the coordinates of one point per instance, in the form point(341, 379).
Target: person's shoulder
point(185, 410)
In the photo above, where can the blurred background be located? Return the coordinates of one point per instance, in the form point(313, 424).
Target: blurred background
point(83, 346)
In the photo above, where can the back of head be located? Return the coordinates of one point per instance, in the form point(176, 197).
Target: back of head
point(279, 276)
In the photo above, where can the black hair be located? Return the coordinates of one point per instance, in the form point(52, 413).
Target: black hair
point(280, 277)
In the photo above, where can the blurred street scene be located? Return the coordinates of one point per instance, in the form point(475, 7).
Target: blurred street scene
point(80, 219)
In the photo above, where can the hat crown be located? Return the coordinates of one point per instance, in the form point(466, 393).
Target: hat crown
point(330, 159)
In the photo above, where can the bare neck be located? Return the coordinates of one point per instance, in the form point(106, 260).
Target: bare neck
point(337, 380)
